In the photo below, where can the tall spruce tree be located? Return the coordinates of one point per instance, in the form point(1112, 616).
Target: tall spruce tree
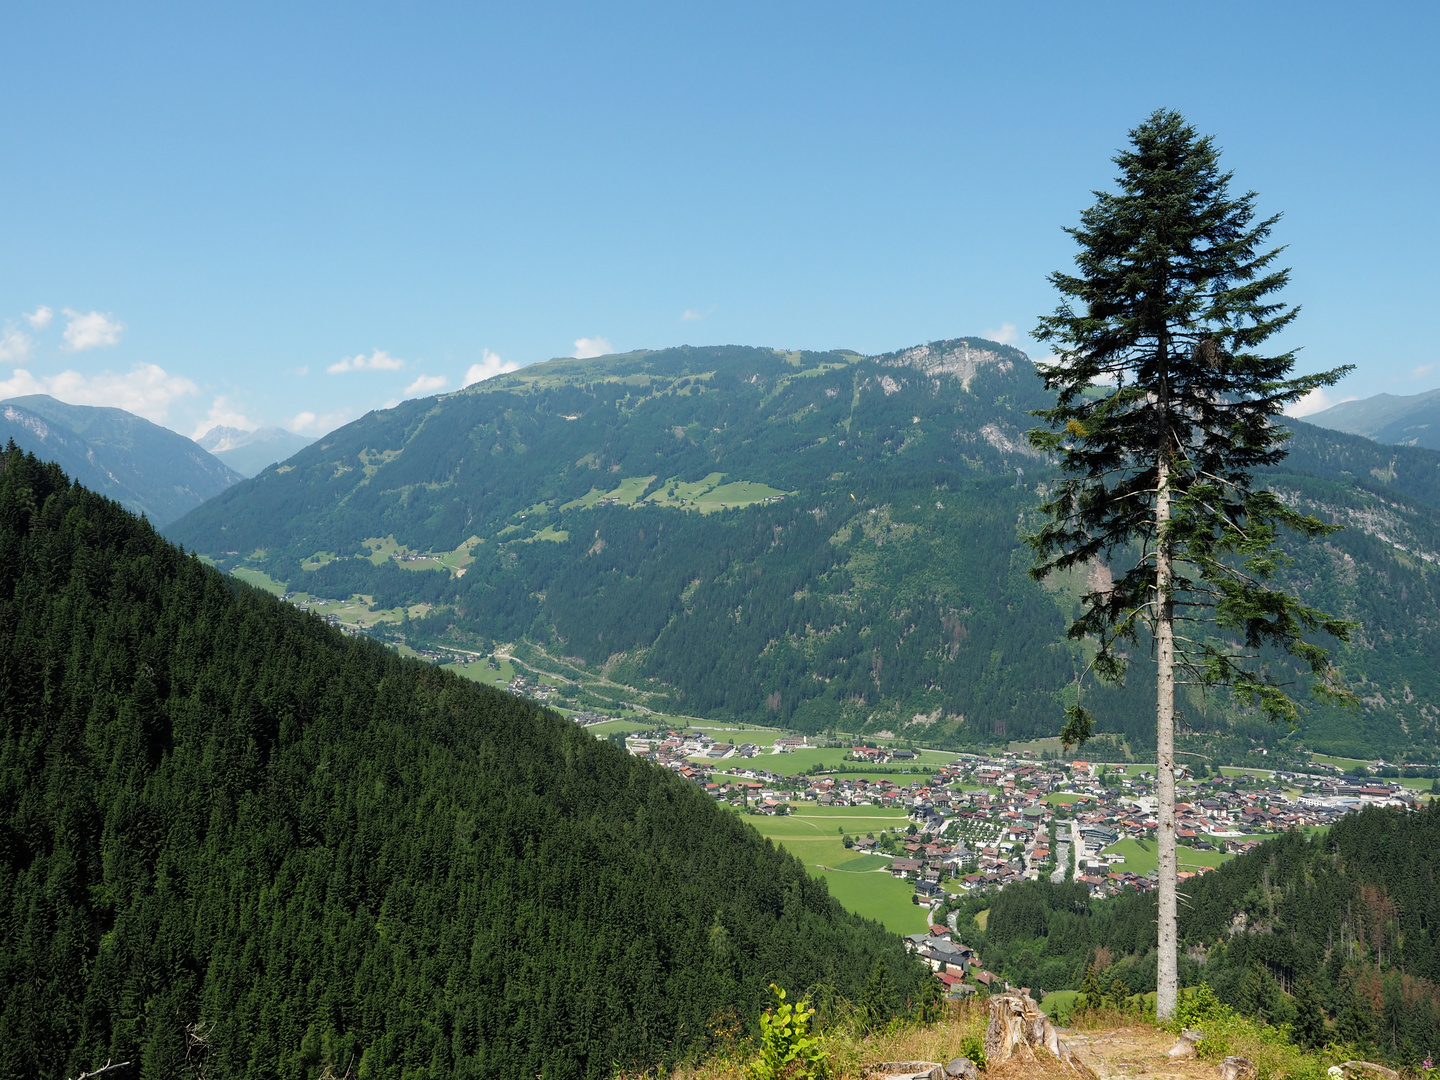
point(1165, 405)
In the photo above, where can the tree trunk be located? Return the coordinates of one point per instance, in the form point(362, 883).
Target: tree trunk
point(1168, 962)
point(1019, 1029)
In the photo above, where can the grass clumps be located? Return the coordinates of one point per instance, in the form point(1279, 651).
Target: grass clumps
point(1271, 1048)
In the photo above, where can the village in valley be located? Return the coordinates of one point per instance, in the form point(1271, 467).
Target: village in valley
point(914, 837)
point(925, 829)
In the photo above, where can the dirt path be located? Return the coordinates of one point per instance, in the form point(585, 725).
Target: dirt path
point(1130, 1053)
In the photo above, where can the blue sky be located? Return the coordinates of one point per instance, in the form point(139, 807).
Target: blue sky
point(293, 214)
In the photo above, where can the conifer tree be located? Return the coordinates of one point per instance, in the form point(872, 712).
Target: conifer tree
point(1309, 1018)
point(1165, 406)
point(1090, 996)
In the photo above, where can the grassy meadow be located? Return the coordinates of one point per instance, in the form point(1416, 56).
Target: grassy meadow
point(482, 673)
point(1141, 857)
point(862, 883)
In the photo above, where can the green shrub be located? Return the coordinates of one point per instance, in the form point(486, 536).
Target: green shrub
point(787, 1049)
point(1270, 1047)
point(973, 1047)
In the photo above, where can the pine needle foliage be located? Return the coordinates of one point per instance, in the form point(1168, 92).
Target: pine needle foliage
point(1166, 404)
point(1158, 367)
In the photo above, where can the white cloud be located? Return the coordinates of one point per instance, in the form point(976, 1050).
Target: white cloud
point(92, 331)
point(379, 360)
point(308, 423)
point(1421, 371)
point(302, 370)
point(585, 347)
point(223, 413)
point(489, 366)
point(1317, 400)
point(1005, 335)
point(695, 315)
point(40, 318)
point(425, 384)
point(14, 345)
point(146, 389)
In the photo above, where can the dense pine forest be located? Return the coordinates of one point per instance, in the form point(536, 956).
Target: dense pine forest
point(235, 842)
point(1337, 935)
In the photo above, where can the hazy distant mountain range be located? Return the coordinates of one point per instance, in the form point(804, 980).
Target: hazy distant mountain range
point(810, 539)
point(143, 466)
point(1402, 420)
point(248, 452)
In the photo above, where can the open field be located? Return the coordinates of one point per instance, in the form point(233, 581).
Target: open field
point(739, 733)
point(878, 896)
point(626, 494)
point(858, 819)
point(612, 726)
point(1346, 763)
point(356, 611)
point(711, 494)
point(860, 882)
point(676, 492)
point(1141, 857)
point(482, 673)
point(1059, 1003)
point(733, 496)
point(707, 495)
point(1249, 770)
point(1063, 798)
point(787, 765)
point(259, 579)
point(797, 761)
point(1104, 746)
point(550, 533)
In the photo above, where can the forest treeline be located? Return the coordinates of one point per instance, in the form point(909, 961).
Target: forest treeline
point(1337, 935)
point(235, 842)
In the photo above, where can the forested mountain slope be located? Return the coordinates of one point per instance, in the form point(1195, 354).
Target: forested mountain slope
point(234, 842)
point(143, 466)
point(1334, 934)
point(816, 539)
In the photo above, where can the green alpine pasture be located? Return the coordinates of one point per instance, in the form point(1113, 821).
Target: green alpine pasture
point(862, 883)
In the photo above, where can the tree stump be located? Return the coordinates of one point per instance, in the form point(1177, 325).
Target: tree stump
point(1237, 1068)
point(1018, 1029)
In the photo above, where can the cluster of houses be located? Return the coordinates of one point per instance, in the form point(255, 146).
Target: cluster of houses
point(955, 965)
point(677, 749)
point(880, 755)
point(989, 820)
point(530, 688)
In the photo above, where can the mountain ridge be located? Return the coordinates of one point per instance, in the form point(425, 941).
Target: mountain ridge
point(250, 452)
point(1397, 419)
point(820, 540)
point(146, 467)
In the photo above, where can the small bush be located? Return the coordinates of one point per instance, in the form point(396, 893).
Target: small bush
point(973, 1047)
point(787, 1049)
point(1226, 1032)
